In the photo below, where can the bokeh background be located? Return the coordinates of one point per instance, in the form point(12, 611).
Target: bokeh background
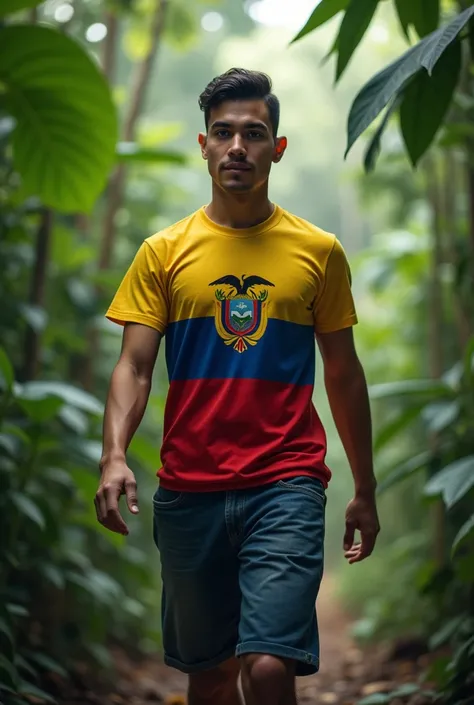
point(98, 150)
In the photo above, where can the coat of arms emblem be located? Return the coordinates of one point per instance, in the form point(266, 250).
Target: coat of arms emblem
point(241, 309)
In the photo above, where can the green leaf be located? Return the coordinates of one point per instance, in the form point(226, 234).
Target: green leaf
point(465, 532)
point(28, 508)
point(30, 689)
point(10, 6)
point(403, 419)
point(354, 25)
point(322, 13)
point(403, 470)
point(453, 482)
point(375, 699)
point(6, 369)
point(5, 630)
point(132, 152)
point(404, 8)
point(405, 690)
point(74, 419)
point(441, 414)
point(47, 663)
point(374, 146)
point(438, 42)
point(426, 101)
point(425, 16)
point(444, 634)
point(66, 123)
point(386, 84)
point(23, 665)
point(69, 394)
point(426, 388)
point(41, 410)
point(8, 673)
point(54, 575)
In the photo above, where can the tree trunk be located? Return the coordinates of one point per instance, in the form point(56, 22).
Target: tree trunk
point(138, 91)
point(451, 190)
point(32, 351)
point(435, 334)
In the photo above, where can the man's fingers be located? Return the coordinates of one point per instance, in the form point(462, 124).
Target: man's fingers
point(362, 550)
point(108, 497)
point(131, 493)
point(349, 535)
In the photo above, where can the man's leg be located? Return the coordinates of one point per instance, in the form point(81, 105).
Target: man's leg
point(268, 680)
point(217, 686)
point(281, 565)
point(201, 594)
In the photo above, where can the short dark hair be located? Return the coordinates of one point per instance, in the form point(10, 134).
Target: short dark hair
point(240, 84)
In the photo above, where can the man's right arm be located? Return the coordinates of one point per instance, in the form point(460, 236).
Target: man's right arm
point(129, 390)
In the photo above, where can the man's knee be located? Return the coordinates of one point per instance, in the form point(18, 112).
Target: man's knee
point(216, 681)
point(266, 673)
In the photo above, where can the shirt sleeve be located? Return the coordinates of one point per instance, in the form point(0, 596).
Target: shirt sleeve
point(334, 308)
point(141, 296)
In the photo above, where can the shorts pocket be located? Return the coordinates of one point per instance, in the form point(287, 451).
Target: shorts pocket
point(306, 485)
point(167, 499)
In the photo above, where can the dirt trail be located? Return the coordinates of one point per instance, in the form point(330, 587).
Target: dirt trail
point(347, 672)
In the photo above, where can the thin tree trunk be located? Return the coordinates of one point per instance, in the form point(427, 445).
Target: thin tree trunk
point(435, 335)
point(32, 351)
point(139, 85)
point(110, 47)
point(451, 188)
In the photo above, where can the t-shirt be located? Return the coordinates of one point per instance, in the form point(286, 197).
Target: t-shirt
point(239, 310)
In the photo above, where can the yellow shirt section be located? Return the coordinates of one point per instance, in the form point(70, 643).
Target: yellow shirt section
point(305, 273)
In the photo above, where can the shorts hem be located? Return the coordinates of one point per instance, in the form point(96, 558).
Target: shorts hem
point(307, 663)
point(190, 668)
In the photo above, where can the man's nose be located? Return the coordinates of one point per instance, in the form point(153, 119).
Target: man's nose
point(237, 148)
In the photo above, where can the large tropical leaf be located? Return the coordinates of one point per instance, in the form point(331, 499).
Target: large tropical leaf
point(426, 101)
point(353, 27)
point(9, 6)
point(453, 482)
point(322, 13)
point(386, 84)
point(66, 124)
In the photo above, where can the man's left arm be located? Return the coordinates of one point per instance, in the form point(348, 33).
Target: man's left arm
point(349, 401)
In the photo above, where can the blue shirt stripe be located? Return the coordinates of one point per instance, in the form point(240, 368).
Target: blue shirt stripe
point(285, 353)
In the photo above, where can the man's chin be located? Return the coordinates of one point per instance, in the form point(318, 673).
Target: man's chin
point(236, 185)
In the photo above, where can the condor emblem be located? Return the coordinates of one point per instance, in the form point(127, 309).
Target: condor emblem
point(241, 309)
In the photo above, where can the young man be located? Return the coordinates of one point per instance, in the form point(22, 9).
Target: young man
point(240, 289)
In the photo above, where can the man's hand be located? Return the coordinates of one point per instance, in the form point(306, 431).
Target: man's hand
point(361, 515)
point(117, 479)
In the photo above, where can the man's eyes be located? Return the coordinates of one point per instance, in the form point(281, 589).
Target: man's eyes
point(252, 134)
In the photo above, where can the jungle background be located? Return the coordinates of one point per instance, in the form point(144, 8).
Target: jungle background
point(98, 150)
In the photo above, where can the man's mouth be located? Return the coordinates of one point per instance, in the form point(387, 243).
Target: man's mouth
point(237, 166)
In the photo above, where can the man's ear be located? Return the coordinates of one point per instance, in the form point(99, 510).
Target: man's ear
point(281, 144)
point(202, 139)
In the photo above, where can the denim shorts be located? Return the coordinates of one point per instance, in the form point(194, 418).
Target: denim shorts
point(241, 572)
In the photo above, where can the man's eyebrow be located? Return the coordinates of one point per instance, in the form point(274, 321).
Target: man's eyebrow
point(219, 124)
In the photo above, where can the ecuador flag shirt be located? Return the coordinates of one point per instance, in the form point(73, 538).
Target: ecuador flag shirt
point(239, 310)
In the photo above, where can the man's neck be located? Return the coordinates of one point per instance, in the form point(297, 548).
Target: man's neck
point(239, 210)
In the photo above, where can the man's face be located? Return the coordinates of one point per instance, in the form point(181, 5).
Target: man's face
point(239, 146)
